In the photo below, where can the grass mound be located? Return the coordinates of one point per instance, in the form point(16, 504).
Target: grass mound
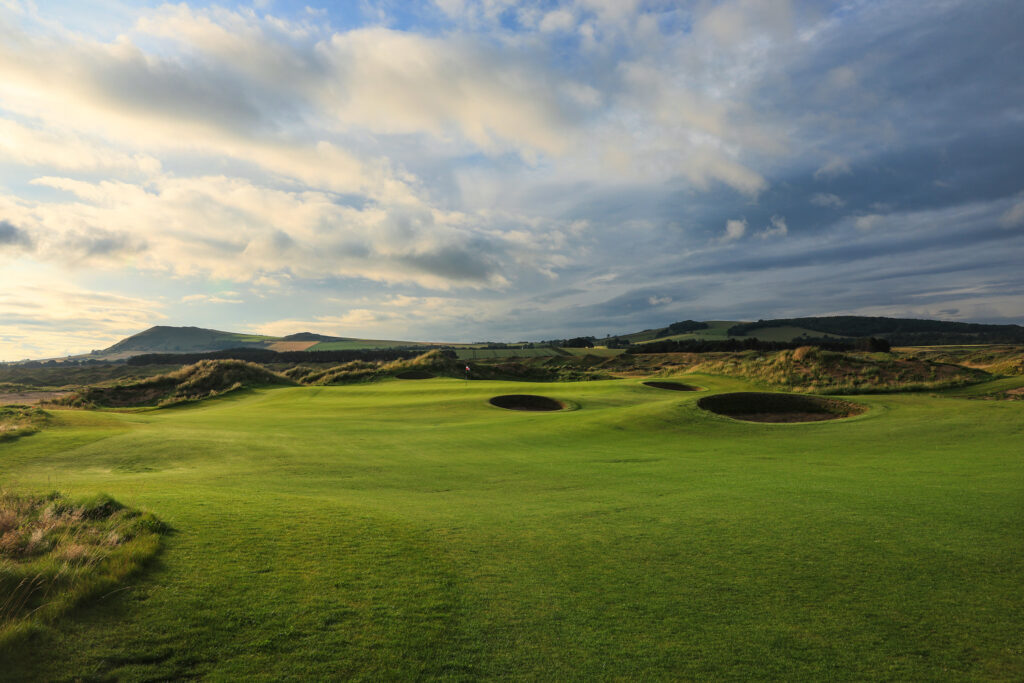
point(672, 386)
point(762, 407)
point(205, 379)
point(527, 402)
point(430, 364)
point(1000, 360)
point(812, 370)
point(55, 552)
point(17, 420)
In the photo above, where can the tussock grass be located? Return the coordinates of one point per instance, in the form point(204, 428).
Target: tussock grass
point(809, 369)
point(434, 362)
point(1000, 360)
point(202, 380)
point(18, 420)
point(55, 552)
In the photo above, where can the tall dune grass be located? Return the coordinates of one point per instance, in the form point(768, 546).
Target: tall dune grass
point(55, 552)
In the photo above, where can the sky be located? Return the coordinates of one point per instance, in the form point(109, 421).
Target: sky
point(464, 170)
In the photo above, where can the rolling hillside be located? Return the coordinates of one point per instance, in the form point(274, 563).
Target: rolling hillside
point(898, 331)
point(168, 339)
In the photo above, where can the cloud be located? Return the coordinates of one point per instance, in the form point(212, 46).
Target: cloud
point(230, 228)
point(11, 235)
point(557, 20)
point(734, 230)
point(778, 228)
point(1013, 217)
point(229, 298)
point(65, 151)
point(544, 165)
point(868, 222)
point(45, 315)
point(833, 168)
point(827, 199)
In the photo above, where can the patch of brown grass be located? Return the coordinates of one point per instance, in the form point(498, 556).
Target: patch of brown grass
point(55, 552)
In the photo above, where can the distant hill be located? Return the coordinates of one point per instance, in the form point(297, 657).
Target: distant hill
point(167, 339)
point(312, 336)
point(164, 339)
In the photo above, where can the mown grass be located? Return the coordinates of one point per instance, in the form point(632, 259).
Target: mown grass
point(409, 530)
point(54, 552)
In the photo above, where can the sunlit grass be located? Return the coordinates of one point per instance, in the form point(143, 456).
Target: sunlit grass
point(410, 530)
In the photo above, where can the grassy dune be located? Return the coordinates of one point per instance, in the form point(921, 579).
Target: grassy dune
point(55, 552)
point(401, 530)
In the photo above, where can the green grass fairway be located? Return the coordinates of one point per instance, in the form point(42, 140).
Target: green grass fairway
point(409, 530)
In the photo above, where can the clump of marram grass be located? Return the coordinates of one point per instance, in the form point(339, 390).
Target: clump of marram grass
point(202, 380)
point(19, 420)
point(433, 361)
point(55, 552)
point(809, 369)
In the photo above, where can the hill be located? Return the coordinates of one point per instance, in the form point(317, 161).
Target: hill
point(899, 331)
point(167, 339)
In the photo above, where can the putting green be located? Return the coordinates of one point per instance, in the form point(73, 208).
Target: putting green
point(406, 530)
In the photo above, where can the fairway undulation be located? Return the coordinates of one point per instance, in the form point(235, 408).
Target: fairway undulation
point(404, 530)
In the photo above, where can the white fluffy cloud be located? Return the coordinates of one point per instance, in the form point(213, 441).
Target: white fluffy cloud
point(734, 230)
point(47, 315)
point(537, 161)
point(777, 228)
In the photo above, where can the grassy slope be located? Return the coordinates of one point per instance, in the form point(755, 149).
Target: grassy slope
point(351, 344)
point(716, 330)
point(407, 529)
point(487, 354)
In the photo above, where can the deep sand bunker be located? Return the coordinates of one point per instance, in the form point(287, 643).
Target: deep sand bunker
point(415, 374)
point(674, 386)
point(527, 402)
point(763, 407)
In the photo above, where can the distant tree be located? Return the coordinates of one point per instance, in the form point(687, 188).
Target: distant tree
point(579, 343)
point(873, 344)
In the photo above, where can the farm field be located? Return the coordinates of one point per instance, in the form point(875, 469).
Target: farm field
point(408, 529)
point(351, 344)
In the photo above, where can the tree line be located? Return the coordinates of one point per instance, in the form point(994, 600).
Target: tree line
point(899, 331)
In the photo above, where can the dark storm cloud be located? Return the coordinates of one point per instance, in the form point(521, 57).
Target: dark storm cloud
point(11, 235)
point(452, 262)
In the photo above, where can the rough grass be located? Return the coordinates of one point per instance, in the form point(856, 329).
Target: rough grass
point(18, 420)
point(202, 380)
point(999, 360)
point(54, 552)
point(812, 370)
